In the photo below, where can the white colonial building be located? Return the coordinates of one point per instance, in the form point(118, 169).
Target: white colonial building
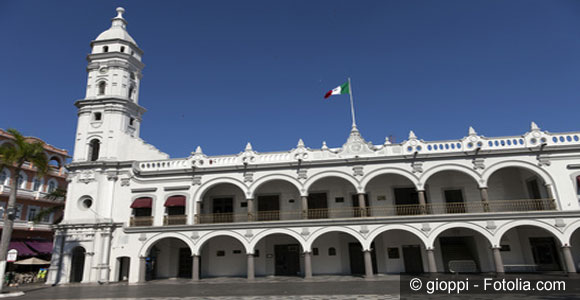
point(478, 204)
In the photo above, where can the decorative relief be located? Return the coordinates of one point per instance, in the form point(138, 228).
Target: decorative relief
point(249, 233)
point(544, 160)
point(426, 227)
point(305, 231)
point(417, 166)
point(491, 225)
point(364, 229)
point(112, 176)
point(302, 174)
point(86, 176)
point(357, 171)
point(249, 177)
point(143, 237)
point(196, 180)
point(194, 235)
point(125, 181)
point(478, 163)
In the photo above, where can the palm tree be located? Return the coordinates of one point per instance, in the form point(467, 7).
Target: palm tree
point(13, 155)
point(54, 196)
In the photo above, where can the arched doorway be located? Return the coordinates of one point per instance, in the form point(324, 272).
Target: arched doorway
point(529, 248)
point(392, 195)
point(169, 258)
point(223, 203)
point(452, 192)
point(400, 252)
point(332, 197)
point(223, 256)
point(77, 264)
point(277, 200)
point(463, 250)
point(279, 255)
point(339, 253)
point(123, 264)
point(518, 189)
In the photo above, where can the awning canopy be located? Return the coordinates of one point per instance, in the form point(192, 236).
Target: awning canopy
point(42, 247)
point(32, 261)
point(175, 201)
point(22, 249)
point(143, 202)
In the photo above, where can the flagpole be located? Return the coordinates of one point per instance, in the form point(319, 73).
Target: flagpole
point(351, 104)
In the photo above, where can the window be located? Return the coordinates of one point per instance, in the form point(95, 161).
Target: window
point(32, 212)
point(18, 212)
point(105, 49)
point(97, 116)
point(122, 48)
point(131, 122)
point(94, 147)
point(132, 75)
point(21, 183)
point(37, 184)
point(47, 218)
point(102, 86)
point(2, 209)
point(331, 251)
point(51, 186)
point(130, 92)
point(4, 177)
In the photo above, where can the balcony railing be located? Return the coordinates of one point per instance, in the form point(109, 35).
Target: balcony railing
point(141, 221)
point(491, 206)
point(175, 220)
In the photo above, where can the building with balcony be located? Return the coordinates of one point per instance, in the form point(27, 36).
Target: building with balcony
point(32, 238)
point(474, 204)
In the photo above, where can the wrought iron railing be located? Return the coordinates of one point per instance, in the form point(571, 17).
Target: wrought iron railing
point(175, 220)
point(141, 221)
point(490, 206)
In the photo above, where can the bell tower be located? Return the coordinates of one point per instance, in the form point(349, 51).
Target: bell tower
point(109, 117)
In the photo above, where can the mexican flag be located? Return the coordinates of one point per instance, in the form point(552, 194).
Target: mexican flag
point(339, 90)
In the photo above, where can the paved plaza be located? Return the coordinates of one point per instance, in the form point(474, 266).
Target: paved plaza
point(271, 288)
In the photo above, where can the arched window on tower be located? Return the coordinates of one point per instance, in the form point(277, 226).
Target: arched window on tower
point(102, 87)
point(122, 48)
point(131, 90)
point(94, 147)
point(105, 49)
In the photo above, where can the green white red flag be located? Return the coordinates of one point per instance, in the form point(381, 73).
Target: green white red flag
point(339, 90)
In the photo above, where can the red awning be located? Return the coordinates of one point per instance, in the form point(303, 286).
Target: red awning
point(22, 249)
point(143, 202)
point(42, 247)
point(175, 201)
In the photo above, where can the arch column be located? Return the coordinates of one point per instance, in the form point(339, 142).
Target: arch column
point(362, 206)
point(422, 201)
point(250, 202)
point(431, 260)
point(499, 269)
point(368, 263)
point(304, 200)
point(195, 268)
point(142, 269)
point(307, 265)
point(569, 260)
point(251, 272)
point(197, 218)
point(484, 198)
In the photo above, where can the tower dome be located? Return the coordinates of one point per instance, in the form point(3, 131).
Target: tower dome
point(118, 29)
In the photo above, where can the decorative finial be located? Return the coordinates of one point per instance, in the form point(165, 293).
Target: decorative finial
point(412, 135)
point(120, 12)
point(198, 150)
point(300, 143)
point(248, 147)
point(387, 141)
point(534, 126)
point(472, 131)
point(324, 147)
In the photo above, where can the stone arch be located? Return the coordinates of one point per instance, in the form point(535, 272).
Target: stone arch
point(388, 170)
point(258, 237)
point(322, 231)
point(490, 170)
point(205, 238)
point(199, 193)
point(434, 234)
point(327, 174)
point(450, 167)
point(569, 232)
point(268, 178)
point(382, 229)
point(500, 232)
point(144, 251)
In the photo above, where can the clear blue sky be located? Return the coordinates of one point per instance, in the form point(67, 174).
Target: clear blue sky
point(222, 73)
